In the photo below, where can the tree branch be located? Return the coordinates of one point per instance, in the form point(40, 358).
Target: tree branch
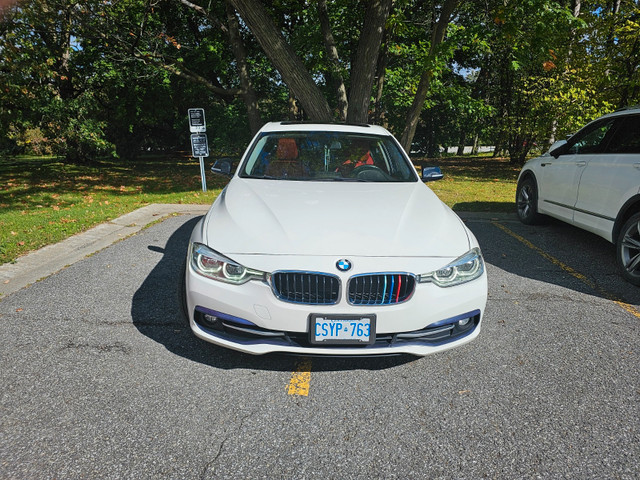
point(202, 11)
point(189, 75)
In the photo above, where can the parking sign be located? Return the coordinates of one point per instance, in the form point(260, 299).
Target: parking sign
point(197, 123)
point(199, 145)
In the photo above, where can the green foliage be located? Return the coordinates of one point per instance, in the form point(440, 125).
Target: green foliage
point(92, 79)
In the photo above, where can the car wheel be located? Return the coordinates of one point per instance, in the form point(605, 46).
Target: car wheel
point(628, 249)
point(527, 201)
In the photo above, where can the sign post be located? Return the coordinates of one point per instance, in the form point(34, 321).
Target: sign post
point(199, 143)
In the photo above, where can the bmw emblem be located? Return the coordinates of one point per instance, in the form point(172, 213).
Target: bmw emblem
point(343, 265)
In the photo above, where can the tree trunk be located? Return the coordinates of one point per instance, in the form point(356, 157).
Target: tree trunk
point(425, 80)
point(461, 142)
point(363, 71)
point(293, 71)
point(334, 60)
point(248, 93)
point(575, 8)
point(294, 111)
point(378, 114)
point(474, 148)
point(554, 131)
point(65, 89)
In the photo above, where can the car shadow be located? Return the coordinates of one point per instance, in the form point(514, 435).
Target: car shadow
point(554, 252)
point(156, 312)
point(503, 207)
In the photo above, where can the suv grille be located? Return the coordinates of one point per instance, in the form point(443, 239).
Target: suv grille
point(305, 287)
point(381, 289)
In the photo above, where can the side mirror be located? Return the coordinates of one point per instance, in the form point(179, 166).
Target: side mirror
point(558, 148)
point(222, 166)
point(431, 174)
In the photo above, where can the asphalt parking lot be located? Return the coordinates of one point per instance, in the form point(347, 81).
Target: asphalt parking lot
point(102, 378)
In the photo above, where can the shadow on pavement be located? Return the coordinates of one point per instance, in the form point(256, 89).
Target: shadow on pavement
point(555, 253)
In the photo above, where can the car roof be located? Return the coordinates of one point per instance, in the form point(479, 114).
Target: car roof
point(323, 127)
point(631, 110)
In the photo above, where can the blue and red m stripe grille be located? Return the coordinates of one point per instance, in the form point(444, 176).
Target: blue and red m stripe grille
point(381, 288)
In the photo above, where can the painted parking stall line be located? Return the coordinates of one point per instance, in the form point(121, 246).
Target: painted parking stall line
point(574, 273)
point(300, 379)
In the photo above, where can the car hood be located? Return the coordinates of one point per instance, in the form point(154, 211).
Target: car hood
point(256, 216)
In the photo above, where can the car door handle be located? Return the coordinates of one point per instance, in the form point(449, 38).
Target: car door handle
point(637, 165)
point(581, 163)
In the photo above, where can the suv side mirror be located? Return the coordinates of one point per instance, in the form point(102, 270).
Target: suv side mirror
point(558, 148)
point(431, 174)
point(222, 166)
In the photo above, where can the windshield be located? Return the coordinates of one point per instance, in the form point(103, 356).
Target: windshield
point(327, 156)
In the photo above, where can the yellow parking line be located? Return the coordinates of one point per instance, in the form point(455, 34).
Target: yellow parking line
point(629, 308)
point(300, 379)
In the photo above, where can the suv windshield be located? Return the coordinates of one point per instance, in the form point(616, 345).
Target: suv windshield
point(327, 156)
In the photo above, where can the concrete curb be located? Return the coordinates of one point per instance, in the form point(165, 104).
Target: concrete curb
point(48, 260)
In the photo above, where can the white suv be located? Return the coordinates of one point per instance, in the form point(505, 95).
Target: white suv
point(592, 181)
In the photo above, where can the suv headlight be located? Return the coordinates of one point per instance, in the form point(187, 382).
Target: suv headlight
point(463, 269)
point(211, 264)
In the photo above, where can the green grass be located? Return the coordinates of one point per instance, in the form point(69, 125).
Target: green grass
point(476, 184)
point(43, 200)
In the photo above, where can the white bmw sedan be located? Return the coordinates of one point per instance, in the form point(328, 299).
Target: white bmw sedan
point(327, 242)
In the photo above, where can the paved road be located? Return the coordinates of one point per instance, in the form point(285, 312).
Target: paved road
point(102, 379)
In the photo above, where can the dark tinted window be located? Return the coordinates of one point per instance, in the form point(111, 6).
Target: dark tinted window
point(592, 139)
point(626, 138)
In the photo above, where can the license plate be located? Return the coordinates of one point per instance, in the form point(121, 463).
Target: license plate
point(342, 329)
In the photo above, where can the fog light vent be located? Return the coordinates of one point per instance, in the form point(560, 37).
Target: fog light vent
point(211, 320)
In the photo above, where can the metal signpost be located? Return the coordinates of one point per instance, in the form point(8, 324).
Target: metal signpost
point(199, 143)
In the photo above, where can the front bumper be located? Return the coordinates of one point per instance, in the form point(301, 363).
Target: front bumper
point(250, 319)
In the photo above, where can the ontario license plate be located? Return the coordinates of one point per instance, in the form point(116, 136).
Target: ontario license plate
point(342, 329)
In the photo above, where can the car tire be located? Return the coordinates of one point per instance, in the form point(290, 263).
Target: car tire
point(628, 249)
point(527, 201)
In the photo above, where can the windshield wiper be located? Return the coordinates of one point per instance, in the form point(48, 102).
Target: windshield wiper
point(339, 179)
point(265, 177)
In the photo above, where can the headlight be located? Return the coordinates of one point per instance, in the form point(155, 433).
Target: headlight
point(463, 269)
point(211, 264)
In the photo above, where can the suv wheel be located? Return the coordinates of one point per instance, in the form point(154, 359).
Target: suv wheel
point(527, 201)
point(628, 249)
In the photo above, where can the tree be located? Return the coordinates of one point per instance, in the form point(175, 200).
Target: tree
point(47, 81)
point(83, 79)
point(285, 59)
point(437, 37)
point(295, 73)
